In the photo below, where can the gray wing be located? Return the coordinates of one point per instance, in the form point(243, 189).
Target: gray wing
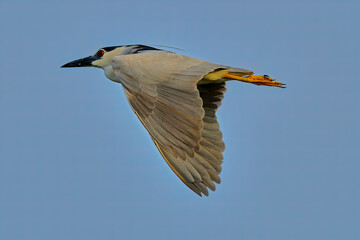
point(162, 90)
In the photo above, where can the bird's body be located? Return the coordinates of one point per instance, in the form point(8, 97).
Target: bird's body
point(176, 98)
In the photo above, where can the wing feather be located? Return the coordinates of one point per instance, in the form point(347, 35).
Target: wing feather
point(178, 114)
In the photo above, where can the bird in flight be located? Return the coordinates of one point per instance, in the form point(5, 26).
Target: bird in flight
point(176, 98)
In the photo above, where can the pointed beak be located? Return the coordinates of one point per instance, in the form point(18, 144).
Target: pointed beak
point(83, 62)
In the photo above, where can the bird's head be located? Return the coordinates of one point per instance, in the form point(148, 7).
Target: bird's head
point(100, 58)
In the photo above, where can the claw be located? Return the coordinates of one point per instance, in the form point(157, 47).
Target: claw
point(258, 80)
point(264, 80)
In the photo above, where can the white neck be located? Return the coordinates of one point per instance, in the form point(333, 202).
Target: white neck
point(109, 73)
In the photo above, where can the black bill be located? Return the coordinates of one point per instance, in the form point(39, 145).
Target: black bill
point(83, 62)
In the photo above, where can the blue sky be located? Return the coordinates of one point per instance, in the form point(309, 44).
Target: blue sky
point(75, 163)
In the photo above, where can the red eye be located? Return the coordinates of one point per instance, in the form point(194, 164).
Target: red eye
point(100, 53)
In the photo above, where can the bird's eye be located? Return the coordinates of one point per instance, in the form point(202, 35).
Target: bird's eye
point(100, 53)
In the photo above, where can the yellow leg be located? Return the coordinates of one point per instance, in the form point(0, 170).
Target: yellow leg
point(258, 80)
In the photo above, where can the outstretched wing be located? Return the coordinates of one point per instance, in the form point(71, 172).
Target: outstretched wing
point(179, 115)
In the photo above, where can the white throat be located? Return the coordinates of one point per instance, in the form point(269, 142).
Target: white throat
point(109, 73)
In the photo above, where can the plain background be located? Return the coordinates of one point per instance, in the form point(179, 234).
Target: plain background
point(77, 164)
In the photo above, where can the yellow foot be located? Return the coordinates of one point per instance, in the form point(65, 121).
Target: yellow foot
point(258, 80)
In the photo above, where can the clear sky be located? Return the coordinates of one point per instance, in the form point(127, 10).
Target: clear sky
point(75, 162)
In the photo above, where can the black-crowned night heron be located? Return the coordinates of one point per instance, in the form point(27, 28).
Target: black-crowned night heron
point(176, 98)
